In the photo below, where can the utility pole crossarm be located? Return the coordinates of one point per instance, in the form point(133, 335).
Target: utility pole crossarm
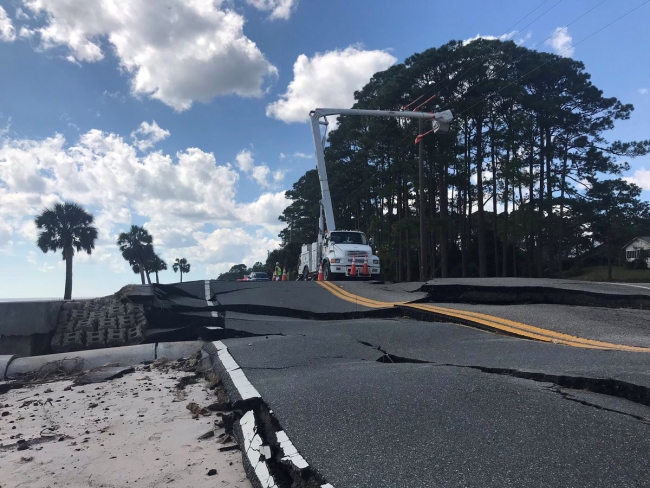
point(444, 116)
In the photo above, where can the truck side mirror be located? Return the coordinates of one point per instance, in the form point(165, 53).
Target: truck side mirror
point(370, 242)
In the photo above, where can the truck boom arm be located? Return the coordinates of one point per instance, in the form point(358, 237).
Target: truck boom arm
point(442, 118)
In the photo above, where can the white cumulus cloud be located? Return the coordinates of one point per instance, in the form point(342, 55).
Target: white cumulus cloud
point(259, 173)
point(641, 177)
point(147, 135)
point(643, 91)
point(561, 42)
point(280, 9)
point(7, 31)
point(327, 80)
point(187, 200)
point(178, 52)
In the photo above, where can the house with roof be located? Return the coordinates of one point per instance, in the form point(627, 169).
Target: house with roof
point(639, 247)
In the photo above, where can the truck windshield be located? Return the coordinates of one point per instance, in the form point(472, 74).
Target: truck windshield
point(349, 238)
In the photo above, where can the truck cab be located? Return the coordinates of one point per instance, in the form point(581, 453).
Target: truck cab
point(339, 249)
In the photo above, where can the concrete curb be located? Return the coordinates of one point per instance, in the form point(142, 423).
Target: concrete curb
point(11, 366)
point(254, 452)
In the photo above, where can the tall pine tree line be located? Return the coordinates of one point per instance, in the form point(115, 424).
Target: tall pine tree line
point(511, 190)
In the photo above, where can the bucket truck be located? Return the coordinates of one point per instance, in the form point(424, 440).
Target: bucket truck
point(336, 250)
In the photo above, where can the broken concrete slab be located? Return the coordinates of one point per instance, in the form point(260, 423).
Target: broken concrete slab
point(104, 373)
point(128, 355)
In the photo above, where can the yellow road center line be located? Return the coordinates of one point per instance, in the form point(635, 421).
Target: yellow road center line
point(488, 321)
point(528, 328)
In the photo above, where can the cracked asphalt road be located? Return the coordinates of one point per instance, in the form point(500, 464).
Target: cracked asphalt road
point(466, 407)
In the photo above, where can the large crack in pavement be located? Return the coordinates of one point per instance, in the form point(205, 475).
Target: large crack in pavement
point(270, 459)
point(568, 396)
point(604, 386)
point(524, 295)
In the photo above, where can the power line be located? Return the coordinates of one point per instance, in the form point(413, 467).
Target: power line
point(400, 153)
point(539, 43)
point(376, 140)
point(565, 50)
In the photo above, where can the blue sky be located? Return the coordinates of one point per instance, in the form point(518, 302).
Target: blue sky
point(188, 116)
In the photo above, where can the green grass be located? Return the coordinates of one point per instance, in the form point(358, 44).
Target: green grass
point(619, 273)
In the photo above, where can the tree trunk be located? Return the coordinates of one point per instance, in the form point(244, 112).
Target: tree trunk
point(514, 232)
point(530, 239)
point(148, 277)
point(422, 205)
point(181, 275)
point(495, 224)
point(157, 281)
point(550, 228)
point(141, 266)
point(69, 253)
point(444, 225)
point(562, 192)
point(466, 171)
point(504, 259)
point(482, 254)
point(609, 252)
point(539, 256)
point(408, 256)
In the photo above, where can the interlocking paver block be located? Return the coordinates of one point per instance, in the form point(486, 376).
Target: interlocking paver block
point(96, 340)
point(114, 311)
point(86, 325)
point(126, 321)
point(69, 326)
point(79, 314)
point(134, 335)
point(73, 341)
point(115, 337)
point(107, 323)
point(95, 316)
point(92, 305)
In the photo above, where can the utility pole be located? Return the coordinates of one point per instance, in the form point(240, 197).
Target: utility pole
point(423, 251)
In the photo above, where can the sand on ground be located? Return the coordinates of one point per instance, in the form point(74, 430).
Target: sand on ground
point(132, 431)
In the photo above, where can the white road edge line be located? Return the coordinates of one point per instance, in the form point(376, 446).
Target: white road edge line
point(252, 441)
point(256, 453)
point(621, 284)
point(208, 294)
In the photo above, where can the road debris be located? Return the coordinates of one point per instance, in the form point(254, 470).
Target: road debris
point(57, 439)
point(101, 374)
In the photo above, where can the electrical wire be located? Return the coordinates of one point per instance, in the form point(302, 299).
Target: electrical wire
point(538, 44)
point(376, 140)
point(546, 62)
point(400, 153)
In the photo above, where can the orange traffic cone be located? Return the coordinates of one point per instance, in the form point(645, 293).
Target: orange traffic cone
point(353, 269)
point(365, 271)
point(320, 272)
point(284, 274)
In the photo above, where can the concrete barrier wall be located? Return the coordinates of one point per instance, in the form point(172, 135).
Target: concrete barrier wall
point(24, 326)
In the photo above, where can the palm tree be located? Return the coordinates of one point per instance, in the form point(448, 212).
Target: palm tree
point(66, 226)
point(182, 265)
point(156, 264)
point(137, 248)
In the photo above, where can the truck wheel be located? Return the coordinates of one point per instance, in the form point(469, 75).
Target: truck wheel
point(327, 274)
point(305, 273)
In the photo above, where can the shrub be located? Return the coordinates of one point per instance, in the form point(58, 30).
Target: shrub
point(638, 263)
